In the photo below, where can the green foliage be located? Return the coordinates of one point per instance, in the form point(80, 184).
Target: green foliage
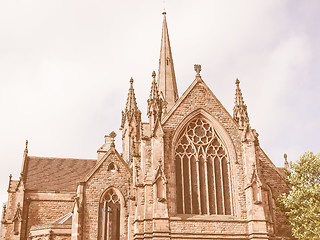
point(302, 204)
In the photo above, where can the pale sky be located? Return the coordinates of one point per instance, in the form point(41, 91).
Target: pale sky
point(65, 68)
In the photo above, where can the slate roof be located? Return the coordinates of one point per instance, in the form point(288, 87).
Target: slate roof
point(56, 174)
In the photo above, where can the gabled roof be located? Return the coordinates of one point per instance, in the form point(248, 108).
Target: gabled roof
point(55, 174)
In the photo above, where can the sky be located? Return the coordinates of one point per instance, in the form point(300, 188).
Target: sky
point(65, 68)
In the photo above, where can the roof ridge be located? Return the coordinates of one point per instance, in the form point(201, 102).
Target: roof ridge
point(65, 158)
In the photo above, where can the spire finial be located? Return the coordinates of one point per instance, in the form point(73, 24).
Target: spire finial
point(131, 82)
point(27, 144)
point(154, 75)
point(237, 82)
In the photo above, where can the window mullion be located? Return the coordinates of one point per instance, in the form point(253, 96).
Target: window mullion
point(206, 183)
point(190, 184)
point(198, 182)
point(182, 185)
point(222, 187)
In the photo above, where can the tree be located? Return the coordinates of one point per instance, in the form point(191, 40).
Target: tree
point(302, 204)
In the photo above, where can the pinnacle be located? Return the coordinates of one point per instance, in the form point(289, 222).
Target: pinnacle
point(240, 114)
point(131, 106)
point(154, 101)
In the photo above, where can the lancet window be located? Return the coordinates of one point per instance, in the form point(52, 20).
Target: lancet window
point(109, 219)
point(202, 175)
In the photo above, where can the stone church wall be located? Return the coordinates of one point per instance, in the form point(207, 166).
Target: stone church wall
point(96, 185)
point(46, 212)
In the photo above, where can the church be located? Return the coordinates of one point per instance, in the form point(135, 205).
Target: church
point(193, 171)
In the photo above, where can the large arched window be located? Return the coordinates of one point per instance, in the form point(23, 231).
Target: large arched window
point(109, 216)
point(201, 170)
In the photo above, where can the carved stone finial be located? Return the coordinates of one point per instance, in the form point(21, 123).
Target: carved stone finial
point(197, 68)
point(131, 81)
point(237, 82)
point(27, 144)
point(153, 74)
point(286, 163)
point(112, 135)
point(10, 177)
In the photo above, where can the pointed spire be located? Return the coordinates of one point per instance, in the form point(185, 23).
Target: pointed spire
point(155, 103)
point(166, 77)
point(240, 114)
point(131, 106)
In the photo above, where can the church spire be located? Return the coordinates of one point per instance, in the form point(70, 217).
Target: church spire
point(240, 113)
point(131, 109)
point(166, 77)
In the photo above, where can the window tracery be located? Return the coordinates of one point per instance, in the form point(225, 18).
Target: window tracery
point(201, 171)
point(109, 219)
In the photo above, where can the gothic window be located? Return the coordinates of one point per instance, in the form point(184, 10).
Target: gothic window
point(109, 219)
point(202, 176)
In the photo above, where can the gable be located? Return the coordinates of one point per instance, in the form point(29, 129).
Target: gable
point(199, 97)
point(103, 166)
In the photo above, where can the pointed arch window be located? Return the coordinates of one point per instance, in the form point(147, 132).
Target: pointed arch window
point(202, 175)
point(109, 216)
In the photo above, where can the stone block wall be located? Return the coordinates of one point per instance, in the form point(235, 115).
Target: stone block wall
point(101, 180)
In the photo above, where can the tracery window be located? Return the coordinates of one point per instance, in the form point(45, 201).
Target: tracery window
point(201, 171)
point(109, 216)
